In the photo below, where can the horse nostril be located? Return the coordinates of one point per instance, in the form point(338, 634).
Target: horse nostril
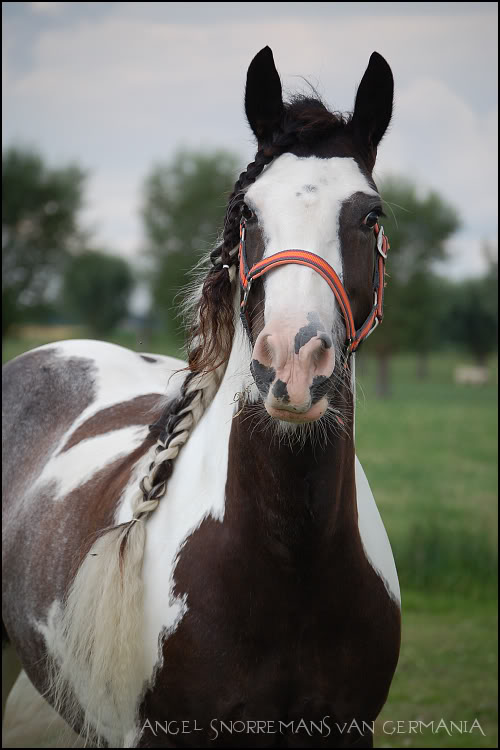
point(262, 375)
point(323, 356)
point(263, 350)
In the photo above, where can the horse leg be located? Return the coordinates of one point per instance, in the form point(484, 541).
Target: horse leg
point(29, 721)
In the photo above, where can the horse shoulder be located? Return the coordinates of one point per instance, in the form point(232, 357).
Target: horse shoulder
point(76, 418)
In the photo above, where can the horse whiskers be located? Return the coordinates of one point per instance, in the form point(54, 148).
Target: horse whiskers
point(332, 424)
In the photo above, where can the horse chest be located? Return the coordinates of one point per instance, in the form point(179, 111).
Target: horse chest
point(263, 643)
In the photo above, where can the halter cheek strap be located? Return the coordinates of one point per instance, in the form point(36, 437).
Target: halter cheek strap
point(318, 264)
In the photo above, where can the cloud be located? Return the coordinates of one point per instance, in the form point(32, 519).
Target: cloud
point(125, 87)
point(441, 141)
point(50, 8)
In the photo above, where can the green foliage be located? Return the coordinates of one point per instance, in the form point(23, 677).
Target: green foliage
point(417, 227)
point(472, 318)
point(430, 454)
point(39, 227)
point(96, 289)
point(183, 209)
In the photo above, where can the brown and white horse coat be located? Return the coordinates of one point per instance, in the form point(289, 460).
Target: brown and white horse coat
point(269, 590)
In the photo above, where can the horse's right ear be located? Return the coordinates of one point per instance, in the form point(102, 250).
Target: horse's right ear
point(263, 98)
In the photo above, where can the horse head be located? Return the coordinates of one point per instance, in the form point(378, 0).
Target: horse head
point(309, 219)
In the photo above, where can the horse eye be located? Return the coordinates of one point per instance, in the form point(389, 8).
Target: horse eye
point(247, 212)
point(371, 219)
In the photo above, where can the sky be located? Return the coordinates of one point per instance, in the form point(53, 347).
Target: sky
point(119, 87)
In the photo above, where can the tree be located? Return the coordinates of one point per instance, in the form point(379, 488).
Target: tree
point(96, 289)
point(472, 320)
point(39, 226)
point(417, 227)
point(183, 209)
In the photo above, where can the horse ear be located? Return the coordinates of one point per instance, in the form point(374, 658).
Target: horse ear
point(263, 99)
point(373, 107)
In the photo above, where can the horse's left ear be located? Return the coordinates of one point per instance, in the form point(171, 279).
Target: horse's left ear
point(373, 107)
point(263, 97)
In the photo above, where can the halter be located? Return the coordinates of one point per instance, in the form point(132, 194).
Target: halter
point(305, 258)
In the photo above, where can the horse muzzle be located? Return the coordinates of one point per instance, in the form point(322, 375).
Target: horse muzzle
point(291, 370)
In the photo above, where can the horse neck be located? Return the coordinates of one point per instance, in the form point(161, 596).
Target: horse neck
point(287, 494)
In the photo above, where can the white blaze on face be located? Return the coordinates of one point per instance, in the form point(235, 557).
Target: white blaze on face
point(298, 201)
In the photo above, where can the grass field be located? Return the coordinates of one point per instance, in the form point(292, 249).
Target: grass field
point(430, 453)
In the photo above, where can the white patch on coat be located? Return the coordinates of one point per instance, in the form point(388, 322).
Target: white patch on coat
point(374, 536)
point(90, 456)
point(196, 490)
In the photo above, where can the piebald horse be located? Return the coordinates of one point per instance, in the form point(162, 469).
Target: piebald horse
point(192, 553)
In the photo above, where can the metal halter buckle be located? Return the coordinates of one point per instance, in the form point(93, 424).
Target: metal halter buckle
point(376, 322)
point(246, 293)
point(380, 242)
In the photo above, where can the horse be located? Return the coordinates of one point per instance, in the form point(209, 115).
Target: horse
point(192, 553)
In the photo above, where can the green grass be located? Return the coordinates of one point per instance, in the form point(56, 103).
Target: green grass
point(430, 453)
point(447, 670)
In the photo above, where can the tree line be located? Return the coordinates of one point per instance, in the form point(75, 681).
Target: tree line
point(53, 271)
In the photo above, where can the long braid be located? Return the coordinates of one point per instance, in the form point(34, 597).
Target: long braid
point(211, 339)
point(210, 343)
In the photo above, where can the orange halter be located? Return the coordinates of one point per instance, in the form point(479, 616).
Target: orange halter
point(306, 258)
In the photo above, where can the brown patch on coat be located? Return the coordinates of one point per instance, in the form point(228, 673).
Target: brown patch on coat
point(286, 619)
point(137, 411)
point(42, 396)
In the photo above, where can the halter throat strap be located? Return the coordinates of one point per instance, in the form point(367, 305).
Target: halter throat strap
point(318, 264)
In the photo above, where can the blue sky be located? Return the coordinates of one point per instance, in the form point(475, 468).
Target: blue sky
point(120, 86)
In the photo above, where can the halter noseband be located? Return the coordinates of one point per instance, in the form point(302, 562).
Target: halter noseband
point(306, 258)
